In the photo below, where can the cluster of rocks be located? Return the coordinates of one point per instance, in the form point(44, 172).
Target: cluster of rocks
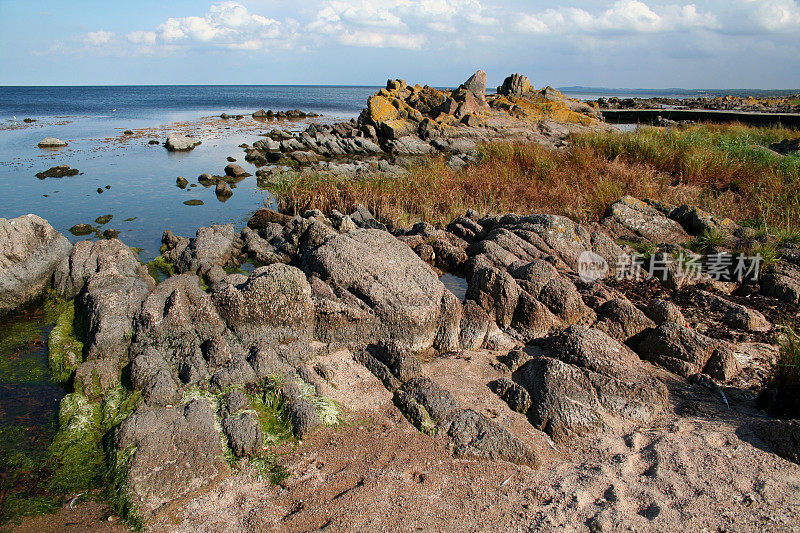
point(277, 115)
point(403, 120)
point(752, 104)
point(581, 355)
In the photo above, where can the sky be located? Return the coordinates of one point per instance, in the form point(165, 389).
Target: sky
point(600, 43)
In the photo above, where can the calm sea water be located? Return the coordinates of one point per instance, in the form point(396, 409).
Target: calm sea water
point(142, 196)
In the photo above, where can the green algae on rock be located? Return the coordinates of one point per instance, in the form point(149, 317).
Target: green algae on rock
point(66, 351)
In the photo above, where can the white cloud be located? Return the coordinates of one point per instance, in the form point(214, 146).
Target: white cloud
point(776, 15)
point(632, 16)
point(98, 38)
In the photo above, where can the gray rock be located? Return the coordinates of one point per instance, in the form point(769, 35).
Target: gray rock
point(515, 85)
point(236, 171)
point(592, 379)
point(686, 352)
point(475, 435)
point(660, 311)
point(30, 252)
point(437, 401)
point(513, 394)
point(385, 274)
point(475, 324)
point(51, 142)
point(304, 157)
point(273, 305)
point(476, 85)
point(496, 292)
point(633, 219)
point(401, 361)
point(174, 452)
point(244, 433)
point(177, 142)
point(223, 190)
point(622, 320)
point(782, 281)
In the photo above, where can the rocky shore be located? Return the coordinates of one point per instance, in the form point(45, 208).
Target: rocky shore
point(315, 371)
point(404, 121)
point(750, 104)
point(174, 376)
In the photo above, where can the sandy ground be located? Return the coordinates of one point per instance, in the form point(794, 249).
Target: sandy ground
point(698, 469)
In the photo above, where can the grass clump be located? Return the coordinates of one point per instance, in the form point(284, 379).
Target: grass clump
point(719, 168)
point(710, 238)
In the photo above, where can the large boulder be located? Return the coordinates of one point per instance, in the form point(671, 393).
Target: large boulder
point(30, 251)
point(212, 245)
point(166, 453)
point(476, 85)
point(683, 351)
point(272, 305)
point(87, 258)
point(179, 340)
point(396, 285)
point(590, 381)
point(496, 292)
point(633, 219)
point(177, 142)
point(515, 85)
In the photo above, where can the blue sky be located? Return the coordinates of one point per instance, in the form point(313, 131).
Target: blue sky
point(611, 43)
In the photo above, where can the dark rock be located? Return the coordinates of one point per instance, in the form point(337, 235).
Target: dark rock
point(513, 394)
point(622, 320)
point(475, 435)
point(59, 171)
point(236, 171)
point(437, 401)
point(783, 436)
point(244, 433)
point(272, 305)
point(182, 182)
point(496, 292)
point(686, 352)
point(475, 323)
point(223, 190)
point(80, 230)
point(263, 217)
point(660, 311)
point(401, 361)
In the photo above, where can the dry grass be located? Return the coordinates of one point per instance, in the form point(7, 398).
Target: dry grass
point(724, 169)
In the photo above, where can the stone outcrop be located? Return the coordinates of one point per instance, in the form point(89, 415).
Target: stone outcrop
point(177, 142)
point(30, 251)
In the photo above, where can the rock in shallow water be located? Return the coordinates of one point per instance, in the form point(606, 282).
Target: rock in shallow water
point(177, 142)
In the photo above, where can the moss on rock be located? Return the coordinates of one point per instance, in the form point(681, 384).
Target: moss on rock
point(65, 350)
